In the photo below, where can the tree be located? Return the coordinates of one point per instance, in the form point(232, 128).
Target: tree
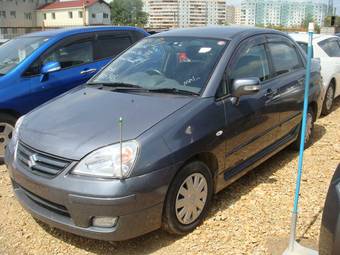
point(128, 12)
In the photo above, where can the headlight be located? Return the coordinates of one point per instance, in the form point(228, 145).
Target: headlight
point(15, 133)
point(106, 162)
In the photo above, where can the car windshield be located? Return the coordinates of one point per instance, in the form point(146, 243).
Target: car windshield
point(17, 50)
point(164, 64)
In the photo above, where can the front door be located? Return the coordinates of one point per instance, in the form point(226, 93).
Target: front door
point(76, 58)
point(253, 121)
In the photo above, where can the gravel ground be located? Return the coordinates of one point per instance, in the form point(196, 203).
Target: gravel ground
point(251, 216)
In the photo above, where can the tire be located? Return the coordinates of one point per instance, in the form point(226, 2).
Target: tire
point(329, 99)
point(7, 123)
point(174, 220)
point(309, 131)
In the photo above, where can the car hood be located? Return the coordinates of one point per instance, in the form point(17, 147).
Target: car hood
point(86, 119)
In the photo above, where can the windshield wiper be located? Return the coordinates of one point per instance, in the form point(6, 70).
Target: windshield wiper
point(116, 85)
point(175, 91)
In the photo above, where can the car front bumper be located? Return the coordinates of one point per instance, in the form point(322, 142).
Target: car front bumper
point(71, 202)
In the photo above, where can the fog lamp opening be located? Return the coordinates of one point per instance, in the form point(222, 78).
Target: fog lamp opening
point(104, 222)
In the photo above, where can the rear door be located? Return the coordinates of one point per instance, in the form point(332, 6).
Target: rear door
point(75, 55)
point(253, 122)
point(288, 73)
point(109, 44)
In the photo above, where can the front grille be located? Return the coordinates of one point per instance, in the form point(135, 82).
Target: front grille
point(40, 163)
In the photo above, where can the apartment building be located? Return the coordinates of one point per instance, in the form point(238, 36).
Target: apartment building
point(238, 15)
point(165, 14)
point(230, 14)
point(287, 13)
point(65, 13)
point(18, 17)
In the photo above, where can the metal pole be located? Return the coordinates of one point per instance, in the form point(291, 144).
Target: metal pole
point(293, 247)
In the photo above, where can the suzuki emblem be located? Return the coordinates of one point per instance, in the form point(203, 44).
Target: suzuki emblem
point(32, 160)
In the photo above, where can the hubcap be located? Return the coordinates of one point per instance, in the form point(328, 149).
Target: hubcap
point(329, 98)
point(309, 127)
point(191, 198)
point(6, 131)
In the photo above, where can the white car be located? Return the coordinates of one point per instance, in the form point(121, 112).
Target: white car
point(326, 48)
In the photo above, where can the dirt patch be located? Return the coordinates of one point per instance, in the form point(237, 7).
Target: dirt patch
point(251, 216)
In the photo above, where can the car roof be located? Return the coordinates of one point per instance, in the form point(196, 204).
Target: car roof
point(216, 32)
point(303, 37)
point(77, 30)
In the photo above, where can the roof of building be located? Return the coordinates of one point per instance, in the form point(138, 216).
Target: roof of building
point(70, 4)
point(77, 30)
point(218, 32)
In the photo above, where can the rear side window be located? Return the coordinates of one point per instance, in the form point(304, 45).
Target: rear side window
point(331, 47)
point(252, 62)
point(110, 45)
point(284, 57)
point(304, 46)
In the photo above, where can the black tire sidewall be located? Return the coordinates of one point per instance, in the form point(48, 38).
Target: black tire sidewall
point(326, 111)
point(172, 223)
point(296, 144)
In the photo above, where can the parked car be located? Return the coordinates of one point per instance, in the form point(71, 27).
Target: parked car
point(173, 120)
point(39, 66)
point(2, 41)
point(326, 48)
point(329, 241)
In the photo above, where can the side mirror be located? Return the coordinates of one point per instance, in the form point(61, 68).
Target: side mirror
point(246, 86)
point(47, 68)
point(50, 67)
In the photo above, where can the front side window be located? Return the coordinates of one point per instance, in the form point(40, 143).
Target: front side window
point(17, 50)
point(331, 47)
point(165, 63)
point(76, 53)
point(252, 62)
point(284, 57)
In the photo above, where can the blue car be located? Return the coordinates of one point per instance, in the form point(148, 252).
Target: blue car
point(39, 66)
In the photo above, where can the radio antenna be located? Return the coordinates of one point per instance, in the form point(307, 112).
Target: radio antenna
point(121, 145)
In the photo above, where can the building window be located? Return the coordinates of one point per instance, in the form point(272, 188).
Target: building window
point(93, 15)
point(28, 15)
point(2, 14)
point(45, 16)
point(80, 14)
point(3, 30)
point(105, 15)
point(53, 15)
point(13, 14)
point(70, 15)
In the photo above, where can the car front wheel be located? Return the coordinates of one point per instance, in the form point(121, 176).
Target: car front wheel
point(188, 198)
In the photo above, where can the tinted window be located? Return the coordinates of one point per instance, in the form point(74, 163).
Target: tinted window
point(304, 46)
point(284, 57)
point(252, 62)
point(331, 47)
point(76, 53)
point(110, 46)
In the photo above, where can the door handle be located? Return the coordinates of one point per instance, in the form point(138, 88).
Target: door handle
point(269, 93)
point(88, 71)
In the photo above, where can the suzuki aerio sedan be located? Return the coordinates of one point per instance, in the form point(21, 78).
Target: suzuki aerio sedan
point(170, 122)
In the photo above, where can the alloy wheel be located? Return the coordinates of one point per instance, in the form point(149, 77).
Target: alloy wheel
point(329, 98)
point(191, 198)
point(6, 131)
